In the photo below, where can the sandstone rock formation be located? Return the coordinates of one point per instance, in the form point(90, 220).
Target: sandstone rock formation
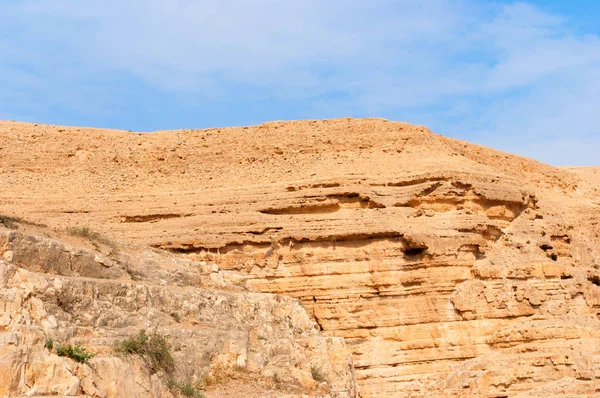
point(448, 268)
point(50, 291)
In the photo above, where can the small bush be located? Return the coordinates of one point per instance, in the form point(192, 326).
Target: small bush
point(93, 236)
point(134, 345)
point(85, 232)
point(8, 222)
point(132, 275)
point(190, 391)
point(154, 348)
point(76, 352)
point(317, 374)
point(185, 389)
point(11, 222)
point(49, 344)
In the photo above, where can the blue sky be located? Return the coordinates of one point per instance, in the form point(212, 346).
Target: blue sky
point(523, 77)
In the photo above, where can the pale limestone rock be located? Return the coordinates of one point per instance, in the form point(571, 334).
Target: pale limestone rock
point(213, 330)
point(8, 255)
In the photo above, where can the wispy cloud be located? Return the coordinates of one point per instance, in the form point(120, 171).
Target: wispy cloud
point(504, 74)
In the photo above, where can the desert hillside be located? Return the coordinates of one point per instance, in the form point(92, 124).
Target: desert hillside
point(424, 266)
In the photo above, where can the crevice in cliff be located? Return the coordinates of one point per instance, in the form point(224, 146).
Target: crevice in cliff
point(315, 208)
point(594, 278)
point(264, 230)
point(327, 204)
point(413, 362)
point(151, 217)
point(408, 183)
point(315, 317)
point(292, 188)
point(349, 240)
point(416, 252)
point(431, 189)
point(354, 200)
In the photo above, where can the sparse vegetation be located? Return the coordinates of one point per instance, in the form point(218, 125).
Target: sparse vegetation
point(93, 236)
point(186, 389)
point(218, 375)
point(85, 232)
point(317, 374)
point(154, 348)
point(8, 222)
point(176, 316)
point(49, 344)
point(132, 275)
point(75, 352)
point(12, 222)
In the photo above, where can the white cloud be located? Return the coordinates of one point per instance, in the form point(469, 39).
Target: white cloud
point(494, 73)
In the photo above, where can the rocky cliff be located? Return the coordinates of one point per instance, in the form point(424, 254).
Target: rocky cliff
point(59, 294)
point(447, 268)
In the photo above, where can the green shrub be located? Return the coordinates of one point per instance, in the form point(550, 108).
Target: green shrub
point(188, 390)
point(11, 222)
point(134, 345)
point(185, 389)
point(49, 344)
point(154, 348)
point(76, 352)
point(8, 222)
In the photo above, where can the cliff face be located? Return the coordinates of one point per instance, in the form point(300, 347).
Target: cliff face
point(448, 268)
point(58, 294)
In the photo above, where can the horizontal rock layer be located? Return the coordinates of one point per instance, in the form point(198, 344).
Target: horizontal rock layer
point(449, 268)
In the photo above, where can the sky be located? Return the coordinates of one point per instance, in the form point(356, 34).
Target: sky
point(522, 77)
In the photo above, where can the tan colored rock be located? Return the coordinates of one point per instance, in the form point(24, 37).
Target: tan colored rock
point(448, 268)
point(211, 331)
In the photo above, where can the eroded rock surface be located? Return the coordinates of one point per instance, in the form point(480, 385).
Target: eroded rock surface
point(448, 268)
point(50, 291)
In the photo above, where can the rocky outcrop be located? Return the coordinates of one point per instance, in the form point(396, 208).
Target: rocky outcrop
point(438, 284)
point(448, 268)
point(50, 291)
